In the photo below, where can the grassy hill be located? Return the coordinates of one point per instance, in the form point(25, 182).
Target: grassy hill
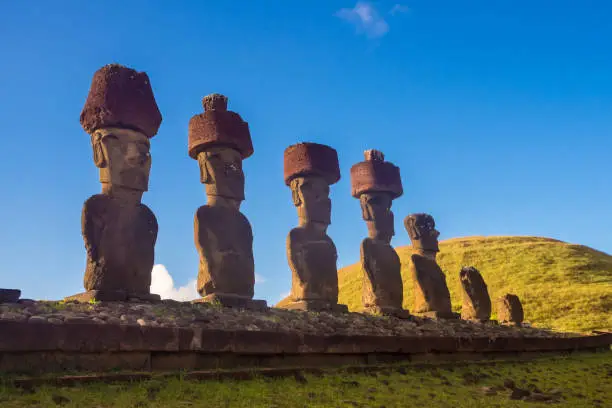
point(562, 286)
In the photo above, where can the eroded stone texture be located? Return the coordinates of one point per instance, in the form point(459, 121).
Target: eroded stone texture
point(431, 295)
point(509, 309)
point(120, 232)
point(476, 301)
point(309, 170)
point(219, 139)
point(9, 295)
point(376, 183)
point(123, 98)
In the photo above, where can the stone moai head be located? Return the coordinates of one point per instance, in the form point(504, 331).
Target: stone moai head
point(376, 183)
point(121, 115)
point(309, 169)
point(422, 231)
point(219, 140)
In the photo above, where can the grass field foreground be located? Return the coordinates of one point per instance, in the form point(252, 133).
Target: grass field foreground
point(562, 286)
point(581, 380)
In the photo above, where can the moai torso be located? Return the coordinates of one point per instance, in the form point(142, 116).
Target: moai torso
point(431, 293)
point(430, 290)
point(309, 170)
point(120, 232)
point(120, 243)
point(224, 240)
point(220, 140)
point(376, 183)
point(312, 258)
point(476, 301)
point(382, 279)
point(510, 309)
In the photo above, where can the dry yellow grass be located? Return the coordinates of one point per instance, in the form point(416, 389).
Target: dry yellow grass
point(562, 286)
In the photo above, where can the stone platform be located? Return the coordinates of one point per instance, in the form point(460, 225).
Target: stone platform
point(40, 337)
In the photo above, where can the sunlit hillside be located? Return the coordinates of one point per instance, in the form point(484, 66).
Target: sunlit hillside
point(562, 286)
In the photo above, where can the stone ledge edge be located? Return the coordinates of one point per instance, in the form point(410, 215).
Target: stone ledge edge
point(92, 338)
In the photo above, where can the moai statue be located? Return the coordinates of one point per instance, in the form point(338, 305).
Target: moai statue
point(121, 115)
point(219, 140)
point(310, 169)
point(9, 295)
point(431, 295)
point(476, 301)
point(376, 183)
point(510, 310)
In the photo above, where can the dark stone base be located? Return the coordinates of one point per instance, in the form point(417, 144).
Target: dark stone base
point(476, 320)
point(233, 301)
point(112, 296)
point(316, 306)
point(515, 324)
point(439, 315)
point(9, 295)
point(387, 311)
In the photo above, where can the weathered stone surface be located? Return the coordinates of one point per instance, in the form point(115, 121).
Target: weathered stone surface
point(218, 127)
point(311, 159)
point(120, 243)
point(9, 295)
point(315, 305)
point(476, 301)
point(220, 140)
point(376, 183)
point(382, 280)
point(387, 311)
point(510, 309)
point(375, 175)
point(312, 256)
point(224, 240)
point(431, 293)
point(121, 97)
point(235, 301)
point(119, 231)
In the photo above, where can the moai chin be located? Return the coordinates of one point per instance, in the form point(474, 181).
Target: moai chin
point(476, 301)
point(510, 310)
point(219, 140)
point(376, 183)
point(431, 295)
point(309, 169)
point(121, 115)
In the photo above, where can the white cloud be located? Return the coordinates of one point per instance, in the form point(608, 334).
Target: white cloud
point(365, 18)
point(398, 9)
point(162, 284)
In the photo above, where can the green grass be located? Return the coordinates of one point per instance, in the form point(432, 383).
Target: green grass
point(562, 286)
point(583, 380)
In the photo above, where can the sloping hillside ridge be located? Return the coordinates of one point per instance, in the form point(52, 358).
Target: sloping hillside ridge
point(562, 286)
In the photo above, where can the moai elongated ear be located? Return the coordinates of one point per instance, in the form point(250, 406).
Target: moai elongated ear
point(98, 150)
point(205, 171)
point(295, 192)
point(365, 208)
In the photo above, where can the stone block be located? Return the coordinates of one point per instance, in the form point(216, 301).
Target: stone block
point(9, 295)
point(234, 301)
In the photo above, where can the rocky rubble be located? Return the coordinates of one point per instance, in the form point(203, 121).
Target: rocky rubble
point(169, 313)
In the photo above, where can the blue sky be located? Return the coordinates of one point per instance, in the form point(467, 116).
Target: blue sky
point(497, 113)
